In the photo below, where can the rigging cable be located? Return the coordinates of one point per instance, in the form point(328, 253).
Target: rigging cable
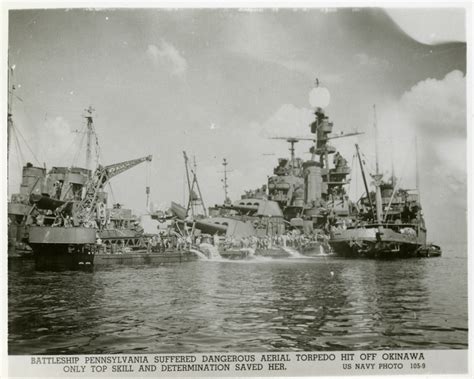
point(370, 164)
point(81, 143)
point(99, 158)
point(184, 187)
point(19, 155)
point(70, 146)
point(395, 189)
point(26, 143)
point(356, 177)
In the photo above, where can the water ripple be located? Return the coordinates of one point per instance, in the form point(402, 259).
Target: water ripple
point(282, 305)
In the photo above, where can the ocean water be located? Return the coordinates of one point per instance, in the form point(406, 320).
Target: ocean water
point(294, 304)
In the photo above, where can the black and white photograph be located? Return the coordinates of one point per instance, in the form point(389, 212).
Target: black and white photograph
point(236, 191)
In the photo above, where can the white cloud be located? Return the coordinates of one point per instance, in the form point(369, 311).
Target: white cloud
point(434, 110)
point(55, 142)
point(438, 107)
point(287, 121)
point(364, 59)
point(167, 55)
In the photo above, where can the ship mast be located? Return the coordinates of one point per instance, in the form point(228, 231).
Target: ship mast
point(224, 182)
point(195, 181)
point(392, 179)
point(377, 177)
point(190, 191)
point(90, 132)
point(365, 180)
point(193, 198)
point(417, 171)
point(292, 142)
point(376, 144)
point(11, 89)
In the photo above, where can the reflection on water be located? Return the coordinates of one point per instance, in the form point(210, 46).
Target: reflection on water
point(321, 303)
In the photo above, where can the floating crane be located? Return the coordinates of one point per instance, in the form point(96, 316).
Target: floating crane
point(92, 204)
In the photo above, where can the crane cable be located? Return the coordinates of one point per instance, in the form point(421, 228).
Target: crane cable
point(99, 158)
point(81, 143)
point(98, 151)
point(114, 200)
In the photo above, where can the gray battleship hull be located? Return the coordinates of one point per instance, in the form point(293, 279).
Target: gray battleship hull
point(377, 242)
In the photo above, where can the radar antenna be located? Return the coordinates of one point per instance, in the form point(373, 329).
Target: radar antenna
point(291, 141)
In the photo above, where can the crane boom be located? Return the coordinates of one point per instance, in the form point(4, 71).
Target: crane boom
point(85, 210)
point(118, 168)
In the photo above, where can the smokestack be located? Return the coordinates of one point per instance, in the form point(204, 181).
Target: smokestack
point(313, 181)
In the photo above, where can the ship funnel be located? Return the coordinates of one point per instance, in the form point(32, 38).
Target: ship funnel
point(313, 181)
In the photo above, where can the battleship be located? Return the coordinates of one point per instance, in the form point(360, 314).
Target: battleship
point(308, 199)
point(288, 215)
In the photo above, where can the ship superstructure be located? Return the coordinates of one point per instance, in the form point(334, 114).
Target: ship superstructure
point(301, 196)
point(309, 191)
point(386, 223)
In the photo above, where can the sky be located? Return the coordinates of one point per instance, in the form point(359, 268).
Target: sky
point(219, 83)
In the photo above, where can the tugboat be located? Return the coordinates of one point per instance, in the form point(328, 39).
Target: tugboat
point(387, 224)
